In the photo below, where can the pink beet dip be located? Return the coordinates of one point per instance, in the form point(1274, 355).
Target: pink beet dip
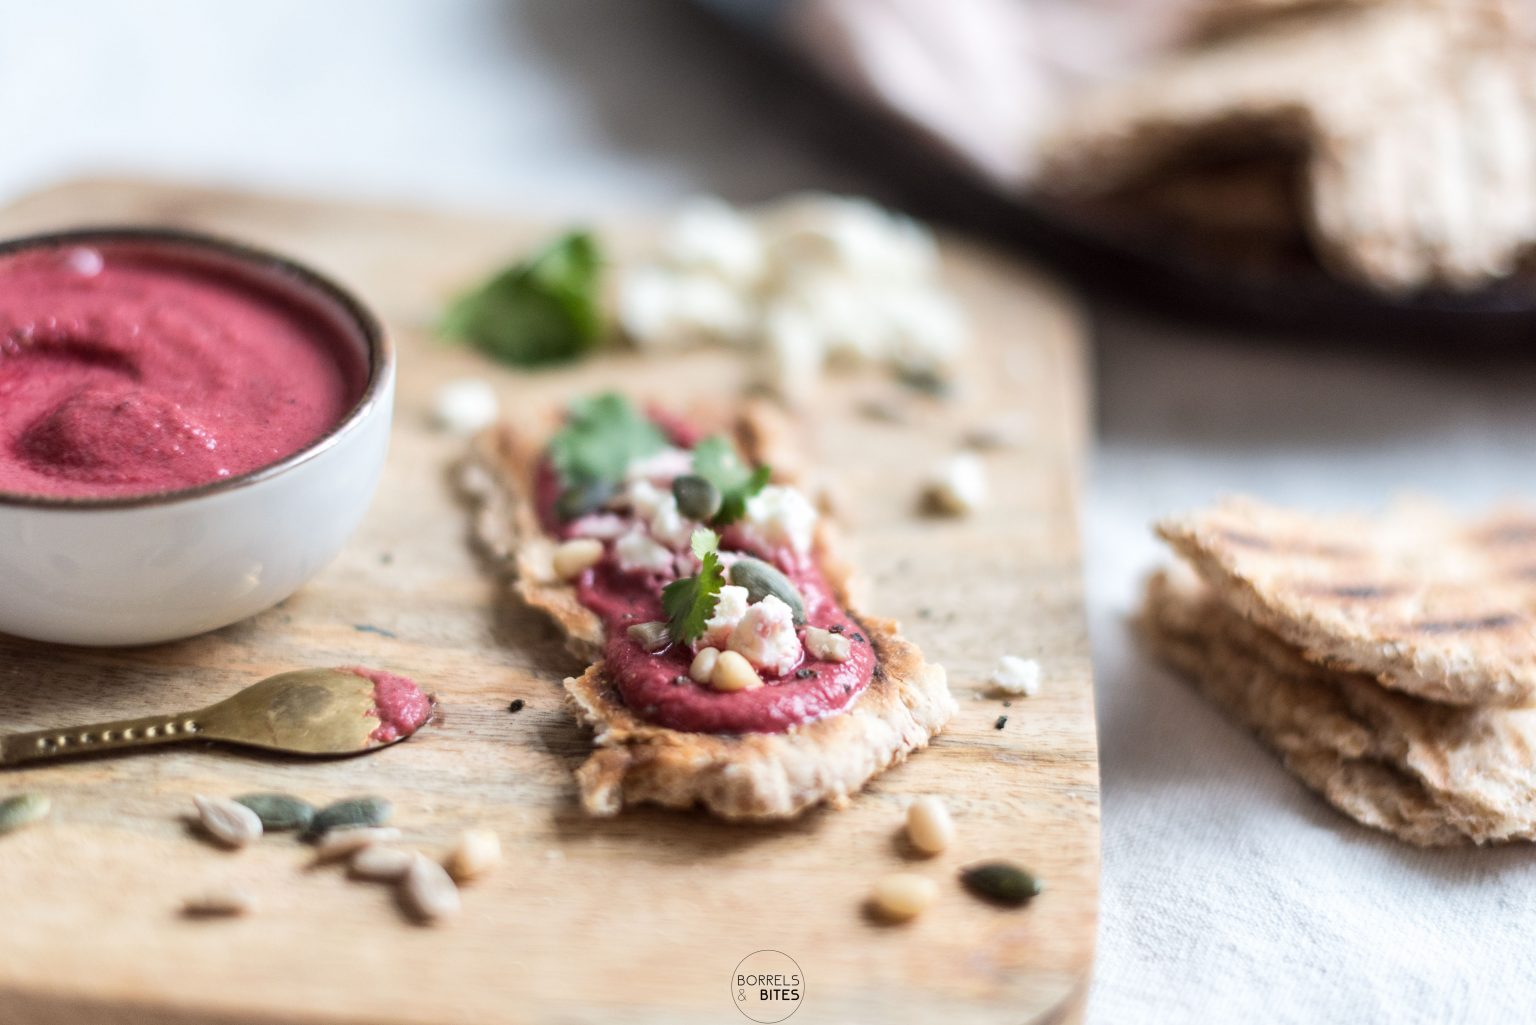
point(398, 703)
point(656, 686)
point(128, 368)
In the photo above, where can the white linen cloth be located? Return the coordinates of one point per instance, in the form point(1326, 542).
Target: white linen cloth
point(1231, 894)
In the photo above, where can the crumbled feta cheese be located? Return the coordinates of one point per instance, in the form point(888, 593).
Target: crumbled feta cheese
point(710, 235)
point(603, 526)
point(662, 466)
point(793, 351)
point(669, 526)
point(638, 552)
point(643, 498)
point(854, 235)
point(826, 645)
point(466, 406)
point(779, 517)
point(1015, 675)
point(958, 487)
point(766, 637)
point(730, 606)
point(667, 309)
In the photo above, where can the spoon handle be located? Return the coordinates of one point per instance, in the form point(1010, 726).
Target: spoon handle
point(17, 748)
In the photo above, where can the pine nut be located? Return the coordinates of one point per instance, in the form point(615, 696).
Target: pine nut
point(929, 826)
point(429, 891)
point(733, 672)
point(477, 852)
point(378, 863)
point(576, 556)
point(703, 666)
point(343, 843)
point(904, 895)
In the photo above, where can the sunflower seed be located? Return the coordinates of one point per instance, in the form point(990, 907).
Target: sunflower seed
point(23, 810)
point(344, 842)
point(279, 812)
point(360, 811)
point(219, 904)
point(428, 891)
point(1002, 882)
point(477, 852)
point(378, 863)
point(233, 825)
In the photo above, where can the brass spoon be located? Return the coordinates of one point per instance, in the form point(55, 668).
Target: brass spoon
point(307, 712)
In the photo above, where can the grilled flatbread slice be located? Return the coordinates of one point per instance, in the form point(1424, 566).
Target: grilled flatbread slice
point(1426, 603)
point(1431, 774)
point(1412, 126)
point(750, 776)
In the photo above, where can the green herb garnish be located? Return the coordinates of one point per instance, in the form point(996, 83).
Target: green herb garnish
point(715, 460)
point(602, 435)
point(690, 602)
point(544, 309)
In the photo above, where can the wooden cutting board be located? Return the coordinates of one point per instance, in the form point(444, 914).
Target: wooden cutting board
point(641, 919)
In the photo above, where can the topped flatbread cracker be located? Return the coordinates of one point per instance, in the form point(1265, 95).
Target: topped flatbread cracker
point(1425, 603)
point(734, 674)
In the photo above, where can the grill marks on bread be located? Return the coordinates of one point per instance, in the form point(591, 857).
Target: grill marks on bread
point(1428, 604)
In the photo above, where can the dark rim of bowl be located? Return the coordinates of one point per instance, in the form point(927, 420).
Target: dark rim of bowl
point(380, 356)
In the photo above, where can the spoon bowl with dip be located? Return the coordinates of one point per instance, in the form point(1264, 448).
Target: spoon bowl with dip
point(342, 711)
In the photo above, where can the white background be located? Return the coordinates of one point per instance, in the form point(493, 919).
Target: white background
point(1229, 893)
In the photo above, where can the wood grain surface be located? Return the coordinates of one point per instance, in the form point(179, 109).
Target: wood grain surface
point(637, 920)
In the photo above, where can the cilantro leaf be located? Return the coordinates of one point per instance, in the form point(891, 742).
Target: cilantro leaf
point(544, 309)
point(690, 602)
point(602, 435)
point(715, 460)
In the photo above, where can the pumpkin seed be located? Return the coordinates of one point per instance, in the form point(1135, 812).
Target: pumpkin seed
point(233, 825)
point(697, 498)
point(429, 891)
point(1002, 882)
point(582, 498)
point(23, 810)
point(650, 636)
point(279, 812)
point(761, 580)
point(359, 811)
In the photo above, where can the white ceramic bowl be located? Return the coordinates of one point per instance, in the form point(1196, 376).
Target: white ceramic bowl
point(156, 567)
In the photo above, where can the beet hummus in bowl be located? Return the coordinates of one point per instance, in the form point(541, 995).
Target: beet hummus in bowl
point(189, 429)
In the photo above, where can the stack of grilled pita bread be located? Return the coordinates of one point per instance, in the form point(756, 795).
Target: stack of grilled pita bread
point(1389, 662)
point(1393, 140)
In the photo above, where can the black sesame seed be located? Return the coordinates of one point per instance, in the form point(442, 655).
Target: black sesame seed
point(859, 637)
point(1007, 704)
point(836, 628)
point(804, 674)
point(1002, 721)
point(517, 705)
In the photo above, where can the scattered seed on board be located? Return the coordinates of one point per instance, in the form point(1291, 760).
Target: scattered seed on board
point(23, 810)
point(1002, 721)
point(1002, 882)
point(279, 812)
point(344, 842)
point(219, 904)
point(359, 811)
point(233, 825)
point(517, 705)
point(929, 826)
point(903, 896)
point(429, 892)
point(382, 864)
point(477, 852)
